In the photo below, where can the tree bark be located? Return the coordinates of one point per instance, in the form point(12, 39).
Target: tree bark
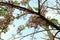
point(50, 34)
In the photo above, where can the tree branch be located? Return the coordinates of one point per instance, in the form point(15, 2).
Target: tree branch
point(32, 12)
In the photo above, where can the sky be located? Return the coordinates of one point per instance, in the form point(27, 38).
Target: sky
point(21, 21)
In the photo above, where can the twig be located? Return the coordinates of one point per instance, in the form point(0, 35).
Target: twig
point(43, 4)
point(34, 33)
point(56, 34)
point(53, 8)
point(21, 15)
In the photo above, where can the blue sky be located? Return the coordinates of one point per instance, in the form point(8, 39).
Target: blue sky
point(21, 21)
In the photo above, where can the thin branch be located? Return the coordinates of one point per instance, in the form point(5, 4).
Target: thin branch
point(32, 12)
point(34, 33)
point(44, 2)
point(39, 7)
point(53, 8)
point(21, 15)
point(56, 34)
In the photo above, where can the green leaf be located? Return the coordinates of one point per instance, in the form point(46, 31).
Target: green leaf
point(4, 30)
point(2, 11)
point(55, 21)
point(36, 8)
point(16, 3)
